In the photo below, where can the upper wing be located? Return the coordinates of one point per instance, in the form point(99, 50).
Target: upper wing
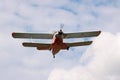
point(82, 34)
point(32, 35)
point(39, 46)
point(79, 44)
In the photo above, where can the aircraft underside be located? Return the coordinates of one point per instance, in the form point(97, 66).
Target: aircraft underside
point(55, 48)
point(57, 37)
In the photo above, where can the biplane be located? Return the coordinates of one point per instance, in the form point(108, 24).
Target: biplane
point(57, 43)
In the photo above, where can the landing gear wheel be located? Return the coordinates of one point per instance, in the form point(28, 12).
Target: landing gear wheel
point(53, 56)
point(50, 49)
point(67, 48)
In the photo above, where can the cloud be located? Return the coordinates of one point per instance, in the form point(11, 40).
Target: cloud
point(101, 61)
point(18, 62)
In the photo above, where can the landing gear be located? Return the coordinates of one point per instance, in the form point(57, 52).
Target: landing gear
point(50, 49)
point(53, 56)
point(67, 48)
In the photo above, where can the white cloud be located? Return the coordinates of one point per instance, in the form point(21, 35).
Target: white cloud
point(102, 64)
point(46, 16)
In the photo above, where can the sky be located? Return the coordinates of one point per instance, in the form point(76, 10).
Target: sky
point(99, 61)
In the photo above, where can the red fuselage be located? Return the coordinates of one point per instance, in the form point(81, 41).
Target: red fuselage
point(57, 44)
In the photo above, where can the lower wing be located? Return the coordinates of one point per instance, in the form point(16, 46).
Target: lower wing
point(39, 46)
point(79, 44)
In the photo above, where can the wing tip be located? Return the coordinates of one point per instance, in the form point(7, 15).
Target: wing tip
point(13, 33)
point(27, 44)
point(89, 42)
point(99, 32)
point(24, 44)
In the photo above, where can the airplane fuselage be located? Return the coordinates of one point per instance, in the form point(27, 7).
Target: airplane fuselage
point(57, 43)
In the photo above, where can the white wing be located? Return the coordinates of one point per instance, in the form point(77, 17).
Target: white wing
point(32, 35)
point(39, 46)
point(78, 44)
point(82, 34)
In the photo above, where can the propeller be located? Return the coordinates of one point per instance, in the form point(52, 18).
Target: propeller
point(60, 31)
point(61, 26)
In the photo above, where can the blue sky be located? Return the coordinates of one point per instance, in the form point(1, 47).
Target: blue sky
point(99, 61)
